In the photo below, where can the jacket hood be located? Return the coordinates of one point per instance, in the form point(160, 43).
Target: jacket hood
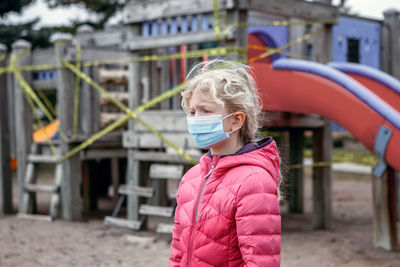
point(263, 154)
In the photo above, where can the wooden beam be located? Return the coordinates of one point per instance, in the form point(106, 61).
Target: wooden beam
point(390, 60)
point(384, 210)
point(23, 116)
point(135, 11)
point(322, 191)
point(296, 201)
point(133, 164)
point(71, 200)
point(286, 120)
point(292, 8)
point(5, 172)
point(140, 43)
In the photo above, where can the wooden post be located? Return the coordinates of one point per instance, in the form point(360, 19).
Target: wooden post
point(5, 172)
point(390, 59)
point(384, 210)
point(322, 152)
point(71, 200)
point(296, 195)
point(115, 179)
point(133, 164)
point(23, 115)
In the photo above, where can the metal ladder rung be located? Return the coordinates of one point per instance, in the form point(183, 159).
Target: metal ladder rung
point(43, 158)
point(41, 188)
point(156, 210)
point(136, 190)
point(123, 223)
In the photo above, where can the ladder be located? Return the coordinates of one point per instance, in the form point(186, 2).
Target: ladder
point(31, 187)
point(158, 172)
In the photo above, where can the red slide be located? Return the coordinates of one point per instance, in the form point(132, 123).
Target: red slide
point(308, 87)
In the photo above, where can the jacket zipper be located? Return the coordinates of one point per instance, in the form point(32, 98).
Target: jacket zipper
point(195, 215)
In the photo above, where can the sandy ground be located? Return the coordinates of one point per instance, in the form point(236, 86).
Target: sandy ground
point(61, 243)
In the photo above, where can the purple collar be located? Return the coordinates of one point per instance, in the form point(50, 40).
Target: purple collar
point(248, 147)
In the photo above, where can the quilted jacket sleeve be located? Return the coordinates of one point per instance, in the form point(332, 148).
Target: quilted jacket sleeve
point(176, 253)
point(258, 221)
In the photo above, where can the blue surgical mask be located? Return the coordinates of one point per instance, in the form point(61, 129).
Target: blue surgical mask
point(208, 130)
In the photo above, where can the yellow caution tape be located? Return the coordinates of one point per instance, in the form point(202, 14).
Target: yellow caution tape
point(218, 51)
point(217, 29)
point(47, 102)
point(291, 43)
point(130, 113)
point(76, 95)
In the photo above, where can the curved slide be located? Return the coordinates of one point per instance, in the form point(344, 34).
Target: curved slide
point(301, 86)
point(379, 82)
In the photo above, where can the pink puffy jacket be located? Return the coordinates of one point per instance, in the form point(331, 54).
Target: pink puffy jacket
point(228, 210)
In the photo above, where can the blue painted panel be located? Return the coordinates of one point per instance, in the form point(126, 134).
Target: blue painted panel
point(41, 75)
point(367, 32)
point(194, 27)
point(204, 22)
point(184, 24)
point(145, 29)
point(164, 27)
point(154, 28)
point(173, 29)
point(272, 36)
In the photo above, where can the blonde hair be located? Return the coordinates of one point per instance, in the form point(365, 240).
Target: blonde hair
point(232, 86)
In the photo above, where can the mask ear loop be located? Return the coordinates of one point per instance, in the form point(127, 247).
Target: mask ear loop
point(227, 116)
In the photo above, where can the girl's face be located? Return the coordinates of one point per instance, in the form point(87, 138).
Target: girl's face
point(201, 105)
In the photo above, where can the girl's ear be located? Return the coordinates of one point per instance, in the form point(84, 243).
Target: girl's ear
point(238, 120)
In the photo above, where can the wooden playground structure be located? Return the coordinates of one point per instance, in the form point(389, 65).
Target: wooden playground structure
point(118, 99)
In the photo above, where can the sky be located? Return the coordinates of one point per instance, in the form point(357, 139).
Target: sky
point(61, 16)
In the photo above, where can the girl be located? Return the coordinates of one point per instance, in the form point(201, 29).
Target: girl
point(228, 211)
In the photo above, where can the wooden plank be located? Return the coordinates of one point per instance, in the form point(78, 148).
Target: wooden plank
point(136, 190)
point(165, 120)
point(164, 228)
point(164, 171)
point(149, 140)
point(135, 12)
point(110, 38)
point(113, 77)
point(156, 210)
point(139, 43)
point(44, 84)
point(123, 223)
point(384, 211)
point(104, 153)
point(44, 56)
point(286, 120)
point(160, 157)
point(23, 116)
point(322, 189)
point(293, 8)
point(95, 100)
point(5, 171)
point(296, 200)
point(45, 218)
point(119, 96)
